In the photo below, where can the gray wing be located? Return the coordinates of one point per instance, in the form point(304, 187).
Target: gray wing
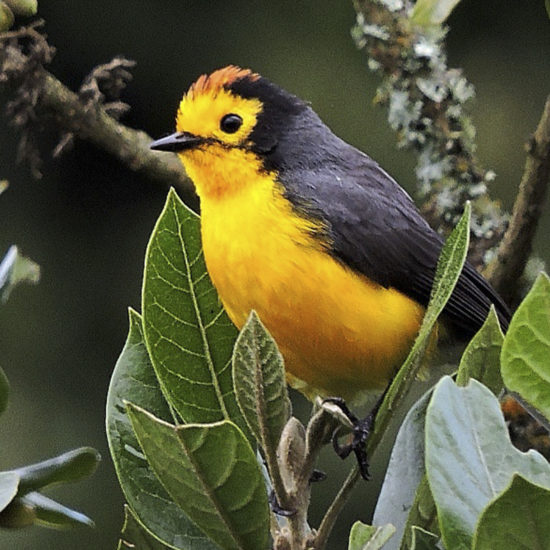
point(376, 229)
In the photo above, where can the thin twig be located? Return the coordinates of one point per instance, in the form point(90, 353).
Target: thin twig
point(335, 508)
point(28, 30)
point(95, 125)
point(516, 246)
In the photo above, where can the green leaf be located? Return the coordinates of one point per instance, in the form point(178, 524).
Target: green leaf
point(423, 540)
point(134, 380)
point(35, 508)
point(66, 468)
point(211, 472)
point(422, 514)
point(188, 335)
point(50, 513)
point(16, 269)
point(526, 348)
point(547, 5)
point(134, 537)
point(368, 537)
point(260, 386)
point(21, 505)
point(521, 513)
point(6, 17)
point(404, 473)
point(449, 267)
point(9, 483)
point(432, 12)
point(23, 8)
point(481, 358)
point(469, 457)
point(4, 391)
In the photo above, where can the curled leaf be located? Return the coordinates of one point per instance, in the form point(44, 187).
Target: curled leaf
point(66, 468)
point(369, 537)
point(36, 508)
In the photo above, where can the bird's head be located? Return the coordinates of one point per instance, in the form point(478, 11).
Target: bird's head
point(228, 123)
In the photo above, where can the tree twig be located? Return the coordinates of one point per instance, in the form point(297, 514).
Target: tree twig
point(516, 246)
point(95, 125)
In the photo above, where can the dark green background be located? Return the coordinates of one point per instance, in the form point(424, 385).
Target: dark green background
point(87, 221)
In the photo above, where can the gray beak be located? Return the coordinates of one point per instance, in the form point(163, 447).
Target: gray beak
point(180, 141)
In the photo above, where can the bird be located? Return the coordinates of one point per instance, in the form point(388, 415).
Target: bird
point(311, 233)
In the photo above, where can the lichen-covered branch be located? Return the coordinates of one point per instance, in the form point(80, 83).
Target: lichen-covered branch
point(516, 246)
point(426, 106)
point(39, 96)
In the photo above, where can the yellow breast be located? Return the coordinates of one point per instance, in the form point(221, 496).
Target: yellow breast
point(339, 332)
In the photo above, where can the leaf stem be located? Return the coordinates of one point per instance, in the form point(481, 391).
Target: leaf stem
point(279, 488)
point(335, 508)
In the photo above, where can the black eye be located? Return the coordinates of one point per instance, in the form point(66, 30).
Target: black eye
point(231, 123)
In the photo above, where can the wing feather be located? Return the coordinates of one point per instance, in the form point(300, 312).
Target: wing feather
point(375, 228)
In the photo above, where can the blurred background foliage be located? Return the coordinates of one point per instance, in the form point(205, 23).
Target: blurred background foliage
point(87, 221)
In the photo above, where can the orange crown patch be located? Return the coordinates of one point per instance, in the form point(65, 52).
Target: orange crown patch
point(220, 78)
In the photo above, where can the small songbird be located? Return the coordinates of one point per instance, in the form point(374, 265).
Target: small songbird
point(312, 234)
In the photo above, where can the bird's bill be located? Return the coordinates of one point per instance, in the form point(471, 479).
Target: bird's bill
point(179, 141)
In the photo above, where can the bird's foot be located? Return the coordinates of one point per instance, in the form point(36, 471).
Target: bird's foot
point(361, 429)
point(358, 445)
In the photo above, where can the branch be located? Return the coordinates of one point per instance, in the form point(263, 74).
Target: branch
point(516, 246)
point(91, 123)
point(427, 107)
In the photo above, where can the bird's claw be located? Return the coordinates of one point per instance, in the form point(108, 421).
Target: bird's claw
point(360, 434)
point(276, 507)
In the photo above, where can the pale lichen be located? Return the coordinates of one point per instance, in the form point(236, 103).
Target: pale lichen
point(428, 108)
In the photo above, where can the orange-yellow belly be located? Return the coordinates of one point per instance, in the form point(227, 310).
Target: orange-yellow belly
point(339, 333)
